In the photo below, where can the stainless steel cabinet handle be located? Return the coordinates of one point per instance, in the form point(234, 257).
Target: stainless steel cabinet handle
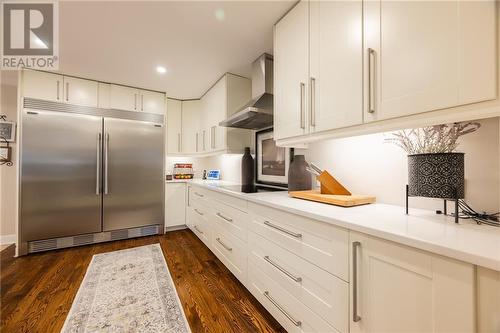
point(223, 217)
point(313, 101)
point(284, 271)
point(142, 102)
point(288, 232)
point(199, 213)
point(67, 91)
point(204, 139)
point(106, 149)
point(355, 316)
point(98, 171)
point(179, 142)
point(212, 138)
point(224, 245)
point(371, 82)
point(198, 194)
point(295, 322)
point(302, 107)
point(197, 229)
point(135, 101)
point(58, 85)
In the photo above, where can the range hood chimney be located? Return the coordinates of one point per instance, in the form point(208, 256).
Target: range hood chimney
point(258, 113)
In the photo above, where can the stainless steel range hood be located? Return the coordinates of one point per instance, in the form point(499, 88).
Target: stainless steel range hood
point(258, 113)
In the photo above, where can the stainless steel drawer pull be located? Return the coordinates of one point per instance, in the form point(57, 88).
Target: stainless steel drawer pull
point(199, 213)
point(288, 232)
point(198, 194)
point(223, 217)
point(355, 316)
point(284, 271)
point(295, 322)
point(196, 228)
point(224, 245)
point(371, 82)
point(98, 166)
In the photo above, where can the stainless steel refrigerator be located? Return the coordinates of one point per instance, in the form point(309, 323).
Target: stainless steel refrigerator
point(88, 175)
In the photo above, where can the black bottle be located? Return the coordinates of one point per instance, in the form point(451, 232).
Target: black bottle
point(247, 168)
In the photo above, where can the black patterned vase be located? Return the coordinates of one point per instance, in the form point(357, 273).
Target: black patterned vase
point(439, 175)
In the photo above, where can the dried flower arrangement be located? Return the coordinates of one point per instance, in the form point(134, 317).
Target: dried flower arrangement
point(432, 139)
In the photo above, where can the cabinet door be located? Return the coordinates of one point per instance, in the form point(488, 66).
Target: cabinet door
point(175, 204)
point(80, 92)
point(336, 64)
point(124, 98)
point(425, 55)
point(103, 95)
point(41, 85)
point(395, 288)
point(152, 102)
point(190, 122)
point(291, 66)
point(174, 126)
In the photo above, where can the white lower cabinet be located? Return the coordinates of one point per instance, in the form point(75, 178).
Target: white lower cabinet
point(395, 288)
point(175, 205)
point(322, 292)
point(316, 277)
point(292, 314)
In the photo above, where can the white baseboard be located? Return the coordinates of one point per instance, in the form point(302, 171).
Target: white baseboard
point(7, 239)
point(176, 227)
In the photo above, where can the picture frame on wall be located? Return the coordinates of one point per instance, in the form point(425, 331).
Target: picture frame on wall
point(272, 162)
point(5, 154)
point(7, 131)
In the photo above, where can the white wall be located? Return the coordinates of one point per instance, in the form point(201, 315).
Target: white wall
point(8, 183)
point(367, 165)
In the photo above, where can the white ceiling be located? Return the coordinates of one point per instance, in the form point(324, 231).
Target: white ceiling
point(123, 42)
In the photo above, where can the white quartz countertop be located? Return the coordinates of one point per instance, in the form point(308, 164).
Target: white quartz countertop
point(422, 229)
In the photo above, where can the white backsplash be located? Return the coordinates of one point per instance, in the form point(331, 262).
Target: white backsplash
point(367, 165)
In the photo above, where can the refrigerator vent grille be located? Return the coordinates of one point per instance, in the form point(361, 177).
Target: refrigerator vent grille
point(99, 237)
point(83, 239)
point(119, 234)
point(43, 245)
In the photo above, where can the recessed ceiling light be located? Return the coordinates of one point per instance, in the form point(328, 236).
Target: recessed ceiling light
point(161, 69)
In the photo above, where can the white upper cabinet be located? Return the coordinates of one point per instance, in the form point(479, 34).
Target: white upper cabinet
point(103, 95)
point(42, 85)
point(394, 288)
point(191, 111)
point(124, 98)
point(152, 102)
point(80, 92)
point(427, 55)
point(336, 65)
point(174, 126)
point(291, 72)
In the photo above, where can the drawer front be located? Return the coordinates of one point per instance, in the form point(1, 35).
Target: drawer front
point(231, 251)
point(322, 244)
point(229, 200)
point(322, 292)
point(230, 219)
point(200, 223)
point(290, 313)
point(197, 194)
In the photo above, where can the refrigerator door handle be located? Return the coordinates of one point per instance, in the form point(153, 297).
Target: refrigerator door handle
point(98, 167)
point(106, 148)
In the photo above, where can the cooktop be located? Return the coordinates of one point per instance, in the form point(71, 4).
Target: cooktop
point(252, 188)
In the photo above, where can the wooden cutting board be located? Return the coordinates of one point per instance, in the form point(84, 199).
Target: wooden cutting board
point(333, 199)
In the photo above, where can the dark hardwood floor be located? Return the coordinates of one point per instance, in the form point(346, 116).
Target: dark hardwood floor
point(37, 290)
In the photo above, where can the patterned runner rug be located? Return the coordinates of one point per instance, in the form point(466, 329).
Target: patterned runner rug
point(127, 291)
